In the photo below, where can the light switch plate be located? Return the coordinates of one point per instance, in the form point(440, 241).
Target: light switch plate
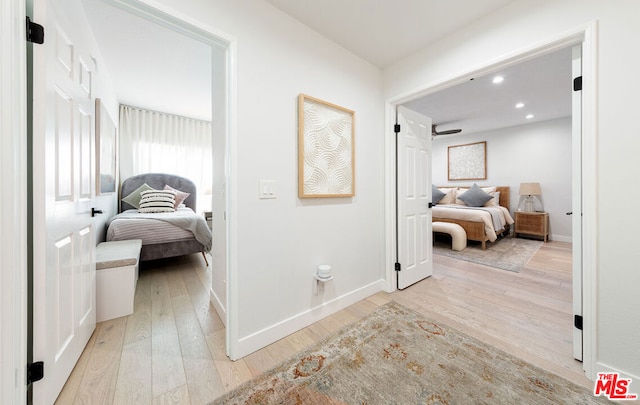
point(266, 189)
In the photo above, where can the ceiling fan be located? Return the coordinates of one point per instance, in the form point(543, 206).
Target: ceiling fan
point(435, 132)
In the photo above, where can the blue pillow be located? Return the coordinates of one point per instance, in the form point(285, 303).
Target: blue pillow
point(475, 196)
point(436, 194)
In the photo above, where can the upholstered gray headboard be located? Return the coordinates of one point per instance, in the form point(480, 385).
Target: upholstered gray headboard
point(158, 181)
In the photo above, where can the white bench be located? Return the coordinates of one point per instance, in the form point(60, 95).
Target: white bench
point(116, 277)
point(458, 234)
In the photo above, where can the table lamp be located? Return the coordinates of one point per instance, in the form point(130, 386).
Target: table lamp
point(530, 190)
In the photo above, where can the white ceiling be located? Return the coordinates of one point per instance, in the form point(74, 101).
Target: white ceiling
point(384, 31)
point(543, 85)
point(155, 68)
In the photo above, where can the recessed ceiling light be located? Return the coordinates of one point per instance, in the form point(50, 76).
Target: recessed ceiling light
point(498, 79)
point(519, 105)
point(529, 116)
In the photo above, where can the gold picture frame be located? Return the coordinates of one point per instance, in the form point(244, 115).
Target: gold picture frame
point(467, 162)
point(326, 150)
point(106, 138)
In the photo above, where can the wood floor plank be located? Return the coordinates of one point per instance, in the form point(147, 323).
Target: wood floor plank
point(203, 380)
point(139, 323)
point(177, 396)
point(70, 389)
point(101, 374)
point(233, 373)
point(175, 281)
point(206, 313)
point(134, 384)
point(216, 343)
point(259, 361)
point(167, 366)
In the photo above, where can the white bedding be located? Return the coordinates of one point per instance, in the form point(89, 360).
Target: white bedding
point(183, 224)
point(454, 211)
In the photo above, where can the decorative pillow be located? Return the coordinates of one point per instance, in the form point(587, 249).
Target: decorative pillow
point(489, 190)
point(436, 194)
point(180, 195)
point(475, 196)
point(133, 199)
point(450, 197)
point(157, 201)
point(495, 201)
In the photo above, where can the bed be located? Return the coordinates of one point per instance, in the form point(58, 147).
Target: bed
point(163, 234)
point(481, 224)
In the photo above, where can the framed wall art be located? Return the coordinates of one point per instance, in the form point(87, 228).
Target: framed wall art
point(326, 155)
point(106, 136)
point(468, 162)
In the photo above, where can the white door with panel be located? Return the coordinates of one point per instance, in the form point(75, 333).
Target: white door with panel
point(64, 191)
point(415, 250)
point(576, 198)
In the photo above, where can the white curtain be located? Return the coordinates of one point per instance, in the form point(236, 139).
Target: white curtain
point(156, 142)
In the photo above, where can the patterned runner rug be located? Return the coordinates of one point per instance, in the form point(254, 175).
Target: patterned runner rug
point(506, 253)
point(396, 356)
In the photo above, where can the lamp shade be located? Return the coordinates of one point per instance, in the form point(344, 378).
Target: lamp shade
point(530, 189)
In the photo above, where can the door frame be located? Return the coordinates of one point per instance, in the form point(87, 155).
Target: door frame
point(188, 26)
point(586, 35)
point(13, 215)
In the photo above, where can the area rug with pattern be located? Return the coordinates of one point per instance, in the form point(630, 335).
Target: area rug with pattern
point(507, 253)
point(397, 356)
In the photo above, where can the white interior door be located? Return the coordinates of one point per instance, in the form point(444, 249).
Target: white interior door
point(64, 234)
point(415, 250)
point(576, 222)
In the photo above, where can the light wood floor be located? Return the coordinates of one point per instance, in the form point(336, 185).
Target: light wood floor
point(171, 350)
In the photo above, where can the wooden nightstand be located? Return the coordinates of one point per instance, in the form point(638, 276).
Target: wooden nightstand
point(532, 223)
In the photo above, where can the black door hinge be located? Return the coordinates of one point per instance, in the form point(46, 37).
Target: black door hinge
point(35, 32)
point(398, 267)
point(577, 321)
point(396, 128)
point(35, 372)
point(577, 83)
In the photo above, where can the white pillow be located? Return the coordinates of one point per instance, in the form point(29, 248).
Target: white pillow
point(157, 201)
point(450, 195)
point(495, 201)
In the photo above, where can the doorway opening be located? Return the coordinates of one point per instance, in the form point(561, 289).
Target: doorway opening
point(582, 37)
point(223, 82)
point(222, 93)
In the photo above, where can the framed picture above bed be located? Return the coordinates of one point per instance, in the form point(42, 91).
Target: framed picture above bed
point(106, 136)
point(468, 161)
point(326, 166)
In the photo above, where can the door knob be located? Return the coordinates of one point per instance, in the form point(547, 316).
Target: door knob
point(569, 213)
point(95, 211)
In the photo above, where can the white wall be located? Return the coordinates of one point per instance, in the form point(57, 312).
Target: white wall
point(525, 24)
point(281, 242)
point(539, 152)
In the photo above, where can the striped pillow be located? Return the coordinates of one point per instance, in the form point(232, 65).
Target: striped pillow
point(157, 201)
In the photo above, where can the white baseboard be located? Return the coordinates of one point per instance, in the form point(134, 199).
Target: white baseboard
point(561, 238)
point(270, 334)
point(218, 306)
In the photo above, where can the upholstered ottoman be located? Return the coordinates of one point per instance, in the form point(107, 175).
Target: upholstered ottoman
point(457, 233)
point(116, 277)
